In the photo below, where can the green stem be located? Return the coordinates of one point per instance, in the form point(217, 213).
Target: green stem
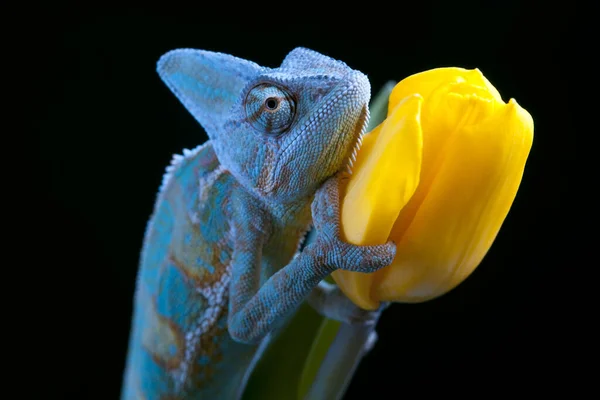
point(345, 346)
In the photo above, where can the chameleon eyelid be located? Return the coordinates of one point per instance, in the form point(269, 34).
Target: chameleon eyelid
point(273, 119)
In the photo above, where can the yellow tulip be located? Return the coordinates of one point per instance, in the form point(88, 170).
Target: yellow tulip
point(437, 177)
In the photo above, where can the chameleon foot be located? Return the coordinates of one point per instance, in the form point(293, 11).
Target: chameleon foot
point(330, 249)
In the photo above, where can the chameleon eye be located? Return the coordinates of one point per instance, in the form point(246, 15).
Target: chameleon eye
point(270, 108)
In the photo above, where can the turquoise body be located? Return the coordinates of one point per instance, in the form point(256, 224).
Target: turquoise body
point(220, 268)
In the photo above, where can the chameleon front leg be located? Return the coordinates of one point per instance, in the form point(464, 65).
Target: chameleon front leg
point(255, 311)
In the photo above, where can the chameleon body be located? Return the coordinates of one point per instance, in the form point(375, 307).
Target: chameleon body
point(220, 268)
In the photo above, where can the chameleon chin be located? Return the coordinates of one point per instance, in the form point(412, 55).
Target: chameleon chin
point(217, 270)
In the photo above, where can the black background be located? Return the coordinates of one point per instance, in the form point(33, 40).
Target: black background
point(107, 127)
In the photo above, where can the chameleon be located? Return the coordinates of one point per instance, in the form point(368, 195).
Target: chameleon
point(221, 267)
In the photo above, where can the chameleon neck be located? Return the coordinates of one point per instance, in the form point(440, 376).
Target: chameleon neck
point(296, 215)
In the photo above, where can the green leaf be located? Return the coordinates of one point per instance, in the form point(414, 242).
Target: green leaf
point(379, 106)
point(277, 373)
point(325, 336)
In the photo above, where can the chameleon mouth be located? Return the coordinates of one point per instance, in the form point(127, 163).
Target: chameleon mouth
point(361, 129)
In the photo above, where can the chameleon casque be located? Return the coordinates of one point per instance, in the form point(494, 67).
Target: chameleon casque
point(220, 267)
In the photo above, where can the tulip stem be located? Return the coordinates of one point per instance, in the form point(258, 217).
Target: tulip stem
point(344, 347)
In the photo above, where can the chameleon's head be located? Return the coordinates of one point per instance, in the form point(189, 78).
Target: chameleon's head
point(280, 131)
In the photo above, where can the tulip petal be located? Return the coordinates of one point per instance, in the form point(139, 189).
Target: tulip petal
point(426, 82)
point(456, 218)
point(385, 176)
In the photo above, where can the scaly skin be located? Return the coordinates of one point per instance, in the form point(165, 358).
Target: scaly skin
point(218, 270)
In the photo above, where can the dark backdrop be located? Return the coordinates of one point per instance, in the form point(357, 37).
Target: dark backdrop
point(107, 127)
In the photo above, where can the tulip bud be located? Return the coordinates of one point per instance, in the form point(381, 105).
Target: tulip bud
point(437, 177)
